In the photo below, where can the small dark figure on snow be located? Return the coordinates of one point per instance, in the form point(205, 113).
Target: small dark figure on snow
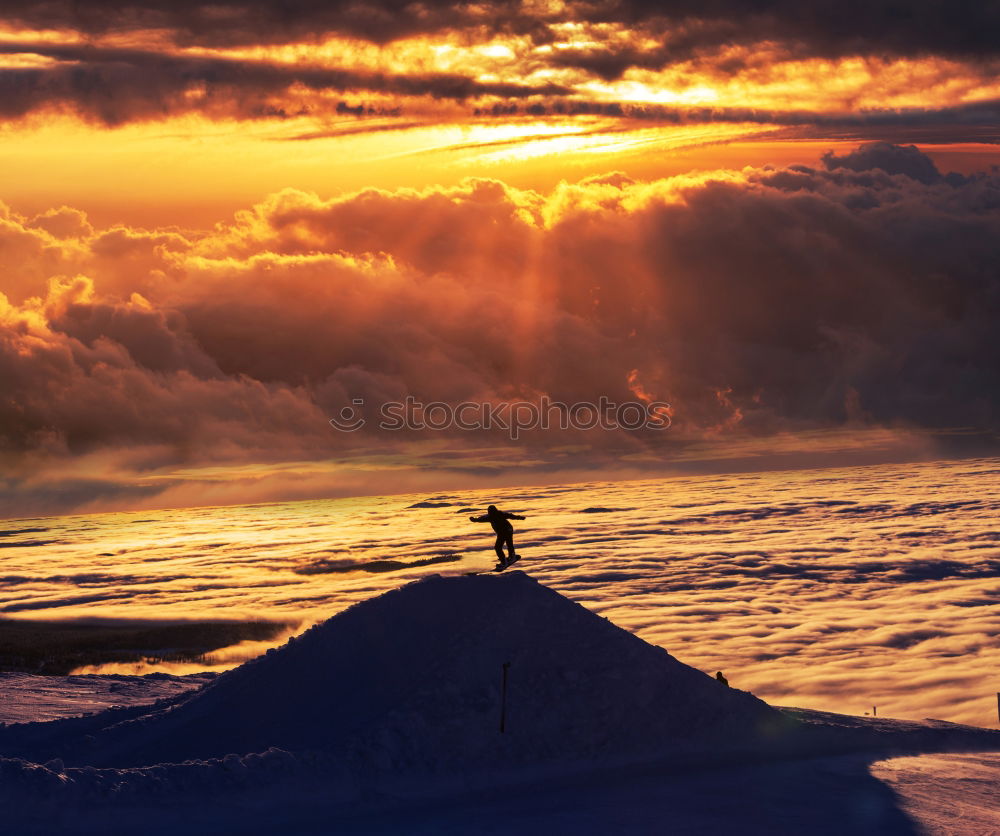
point(721, 678)
point(504, 531)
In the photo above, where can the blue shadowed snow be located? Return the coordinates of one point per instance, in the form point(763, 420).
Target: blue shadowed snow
point(384, 719)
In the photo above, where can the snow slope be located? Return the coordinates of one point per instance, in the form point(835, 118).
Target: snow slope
point(947, 794)
point(384, 719)
point(411, 682)
point(31, 698)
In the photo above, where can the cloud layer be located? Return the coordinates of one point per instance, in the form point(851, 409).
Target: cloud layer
point(961, 27)
point(858, 294)
point(835, 589)
point(767, 62)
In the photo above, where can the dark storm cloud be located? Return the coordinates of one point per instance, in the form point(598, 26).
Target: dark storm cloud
point(687, 29)
point(119, 85)
point(835, 27)
point(713, 41)
point(975, 122)
point(964, 28)
point(116, 85)
point(239, 22)
point(884, 156)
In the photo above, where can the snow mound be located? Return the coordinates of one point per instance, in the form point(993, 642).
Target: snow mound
point(411, 682)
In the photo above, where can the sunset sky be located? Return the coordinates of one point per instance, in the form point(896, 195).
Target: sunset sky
point(220, 223)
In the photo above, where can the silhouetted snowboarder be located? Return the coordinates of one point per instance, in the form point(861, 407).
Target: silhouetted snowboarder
point(504, 531)
point(721, 678)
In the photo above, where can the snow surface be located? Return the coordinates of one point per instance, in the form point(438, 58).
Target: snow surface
point(947, 794)
point(27, 698)
point(410, 682)
point(384, 719)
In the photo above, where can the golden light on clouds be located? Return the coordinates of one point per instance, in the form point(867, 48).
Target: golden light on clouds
point(817, 85)
point(597, 162)
point(145, 122)
point(237, 235)
point(203, 170)
point(448, 75)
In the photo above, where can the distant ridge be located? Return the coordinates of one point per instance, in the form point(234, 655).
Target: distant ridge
point(410, 681)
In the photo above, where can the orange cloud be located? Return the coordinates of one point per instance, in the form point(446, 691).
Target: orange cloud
point(769, 301)
point(504, 59)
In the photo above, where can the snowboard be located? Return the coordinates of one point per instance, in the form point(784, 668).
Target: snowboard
point(501, 566)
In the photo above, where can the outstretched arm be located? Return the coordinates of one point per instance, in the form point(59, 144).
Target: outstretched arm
point(483, 518)
point(513, 516)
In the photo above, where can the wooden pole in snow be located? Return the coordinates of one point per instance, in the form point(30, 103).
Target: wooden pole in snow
point(503, 697)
